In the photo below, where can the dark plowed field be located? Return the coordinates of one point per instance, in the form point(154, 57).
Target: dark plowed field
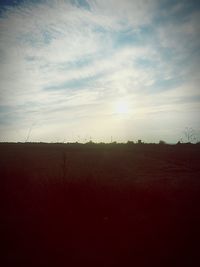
point(100, 205)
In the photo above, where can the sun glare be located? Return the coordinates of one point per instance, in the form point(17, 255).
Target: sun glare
point(122, 107)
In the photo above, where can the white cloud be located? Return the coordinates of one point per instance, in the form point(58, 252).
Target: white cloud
point(63, 64)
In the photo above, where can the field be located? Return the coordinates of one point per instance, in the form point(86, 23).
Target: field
point(100, 205)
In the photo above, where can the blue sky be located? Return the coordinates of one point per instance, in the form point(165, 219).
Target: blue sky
point(71, 69)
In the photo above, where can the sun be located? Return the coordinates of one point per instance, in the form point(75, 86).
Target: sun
point(122, 107)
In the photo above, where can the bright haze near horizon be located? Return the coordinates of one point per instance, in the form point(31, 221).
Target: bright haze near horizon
point(91, 69)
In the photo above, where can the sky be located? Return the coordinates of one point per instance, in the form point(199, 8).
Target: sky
point(100, 70)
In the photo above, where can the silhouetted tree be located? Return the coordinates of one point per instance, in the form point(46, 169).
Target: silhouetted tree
point(189, 135)
point(161, 142)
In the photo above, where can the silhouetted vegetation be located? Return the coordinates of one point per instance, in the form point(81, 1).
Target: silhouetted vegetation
point(161, 142)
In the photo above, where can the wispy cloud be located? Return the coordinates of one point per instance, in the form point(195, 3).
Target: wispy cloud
point(64, 63)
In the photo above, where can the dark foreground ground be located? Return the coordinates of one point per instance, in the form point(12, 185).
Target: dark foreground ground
point(99, 205)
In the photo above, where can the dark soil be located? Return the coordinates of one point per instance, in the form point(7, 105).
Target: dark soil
point(100, 205)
